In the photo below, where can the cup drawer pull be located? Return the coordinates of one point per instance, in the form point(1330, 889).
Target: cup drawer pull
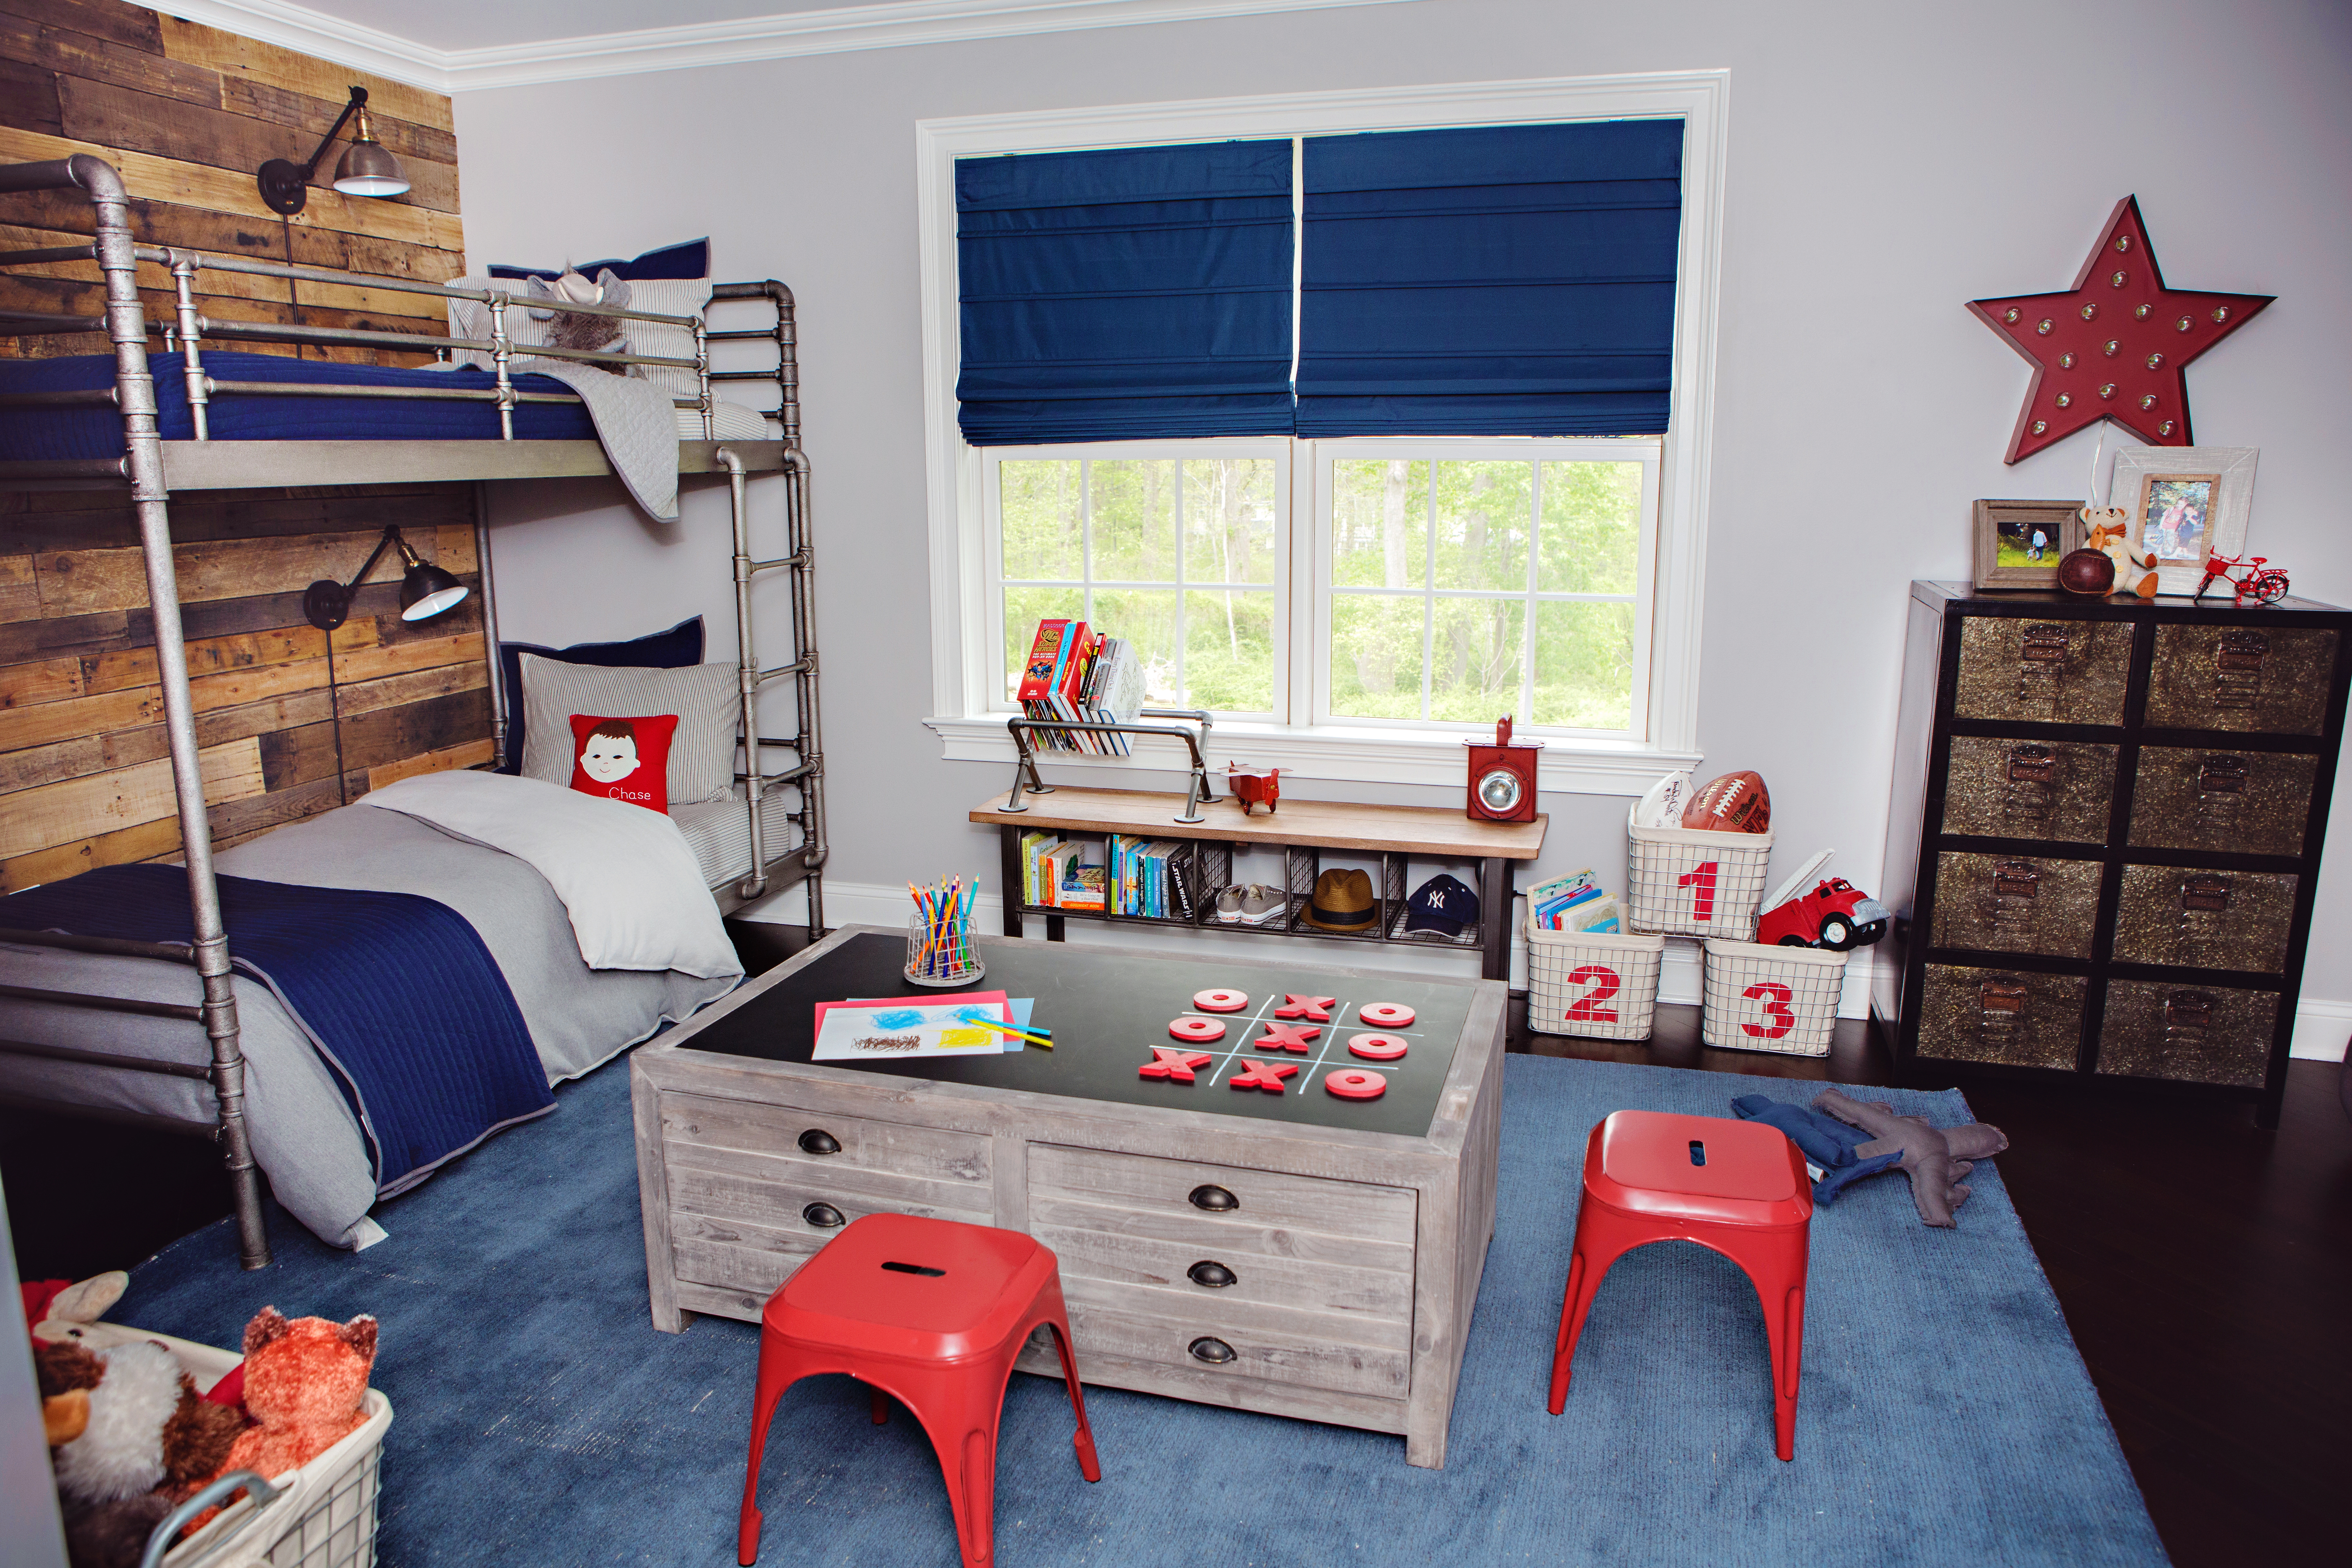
point(1214, 1275)
point(1216, 1200)
point(1215, 1351)
point(817, 1141)
point(824, 1216)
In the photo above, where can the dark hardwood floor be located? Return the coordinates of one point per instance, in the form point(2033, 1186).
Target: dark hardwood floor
point(2205, 1268)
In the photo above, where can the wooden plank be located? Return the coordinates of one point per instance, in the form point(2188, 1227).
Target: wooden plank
point(29, 97)
point(64, 813)
point(210, 289)
point(372, 740)
point(77, 582)
point(222, 139)
point(234, 56)
point(395, 690)
point(653, 1203)
point(422, 653)
point(133, 27)
point(37, 637)
point(471, 754)
point(259, 302)
point(208, 656)
point(126, 748)
point(51, 722)
point(50, 680)
point(1322, 823)
point(160, 222)
point(16, 604)
point(73, 52)
point(123, 846)
point(36, 520)
point(407, 140)
point(237, 820)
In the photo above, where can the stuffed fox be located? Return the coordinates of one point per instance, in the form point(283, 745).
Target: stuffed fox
point(2111, 534)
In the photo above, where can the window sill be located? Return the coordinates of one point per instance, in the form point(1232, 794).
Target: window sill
point(1329, 752)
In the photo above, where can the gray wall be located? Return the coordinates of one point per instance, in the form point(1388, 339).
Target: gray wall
point(1887, 164)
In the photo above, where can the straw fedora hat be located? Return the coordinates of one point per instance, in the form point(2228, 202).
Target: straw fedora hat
point(1343, 902)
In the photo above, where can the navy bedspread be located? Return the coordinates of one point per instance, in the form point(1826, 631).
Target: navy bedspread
point(399, 993)
point(45, 434)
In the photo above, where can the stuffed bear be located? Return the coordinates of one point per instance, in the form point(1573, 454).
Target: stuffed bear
point(131, 1440)
point(303, 1382)
point(2111, 533)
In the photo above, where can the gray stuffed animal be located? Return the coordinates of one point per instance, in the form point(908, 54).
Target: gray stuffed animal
point(1936, 1159)
point(575, 329)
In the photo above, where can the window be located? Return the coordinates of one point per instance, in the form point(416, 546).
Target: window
point(1350, 607)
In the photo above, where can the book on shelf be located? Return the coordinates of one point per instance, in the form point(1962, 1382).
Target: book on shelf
point(1076, 676)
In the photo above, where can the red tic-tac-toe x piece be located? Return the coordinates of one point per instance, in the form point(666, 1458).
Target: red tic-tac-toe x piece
point(1317, 1008)
point(1287, 1037)
point(1177, 1065)
point(1267, 1076)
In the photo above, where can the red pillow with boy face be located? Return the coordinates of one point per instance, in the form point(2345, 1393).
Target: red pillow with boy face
point(623, 759)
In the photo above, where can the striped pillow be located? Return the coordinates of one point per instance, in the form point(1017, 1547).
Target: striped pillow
point(704, 697)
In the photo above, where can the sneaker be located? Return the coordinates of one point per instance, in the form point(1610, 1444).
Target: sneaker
point(1229, 905)
point(1262, 906)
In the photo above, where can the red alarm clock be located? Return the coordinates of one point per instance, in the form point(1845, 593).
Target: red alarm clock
point(1503, 776)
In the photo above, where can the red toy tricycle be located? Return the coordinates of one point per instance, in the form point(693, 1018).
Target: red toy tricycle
point(2262, 584)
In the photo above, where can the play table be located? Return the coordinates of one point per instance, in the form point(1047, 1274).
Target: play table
point(1298, 1253)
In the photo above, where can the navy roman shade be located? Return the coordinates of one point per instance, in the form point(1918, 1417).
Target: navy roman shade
point(1132, 294)
point(1505, 281)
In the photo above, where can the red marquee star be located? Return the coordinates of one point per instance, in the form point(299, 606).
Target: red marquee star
point(2114, 346)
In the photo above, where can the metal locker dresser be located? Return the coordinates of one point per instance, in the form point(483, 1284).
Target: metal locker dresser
point(2104, 836)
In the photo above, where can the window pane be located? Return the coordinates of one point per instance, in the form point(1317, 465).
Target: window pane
point(1040, 502)
point(1482, 524)
point(1023, 608)
point(1473, 663)
point(1148, 619)
point(1379, 524)
point(1229, 520)
point(1584, 665)
point(1229, 651)
point(1134, 521)
point(1376, 656)
point(1591, 528)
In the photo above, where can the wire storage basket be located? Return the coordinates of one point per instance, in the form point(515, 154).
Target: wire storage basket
point(1594, 983)
point(1756, 998)
point(324, 1514)
point(1683, 881)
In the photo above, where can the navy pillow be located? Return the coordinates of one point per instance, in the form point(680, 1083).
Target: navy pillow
point(691, 260)
point(673, 650)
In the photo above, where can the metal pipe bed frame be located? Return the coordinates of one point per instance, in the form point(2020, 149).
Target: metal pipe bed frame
point(153, 467)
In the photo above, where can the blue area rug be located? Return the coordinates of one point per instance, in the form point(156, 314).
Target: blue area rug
point(1946, 1418)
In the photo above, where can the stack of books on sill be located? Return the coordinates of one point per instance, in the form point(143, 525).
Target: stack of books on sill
point(1574, 902)
point(1127, 876)
point(1080, 677)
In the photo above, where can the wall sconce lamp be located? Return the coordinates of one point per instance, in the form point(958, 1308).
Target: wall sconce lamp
point(368, 169)
point(426, 591)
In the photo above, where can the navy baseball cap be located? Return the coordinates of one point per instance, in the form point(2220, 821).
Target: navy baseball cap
point(1441, 904)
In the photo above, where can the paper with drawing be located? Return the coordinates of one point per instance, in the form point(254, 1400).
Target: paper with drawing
point(911, 1026)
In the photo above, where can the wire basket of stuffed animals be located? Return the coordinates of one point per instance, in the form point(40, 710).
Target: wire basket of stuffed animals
point(322, 1515)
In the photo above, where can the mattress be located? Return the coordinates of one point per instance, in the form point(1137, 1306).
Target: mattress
point(719, 832)
point(49, 434)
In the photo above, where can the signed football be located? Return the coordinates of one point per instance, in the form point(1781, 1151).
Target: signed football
point(1735, 803)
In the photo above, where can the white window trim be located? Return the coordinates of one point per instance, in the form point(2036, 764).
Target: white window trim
point(964, 661)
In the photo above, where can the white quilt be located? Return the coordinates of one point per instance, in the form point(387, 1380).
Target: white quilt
point(629, 882)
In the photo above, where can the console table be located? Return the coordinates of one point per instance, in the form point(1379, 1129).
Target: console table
point(1302, 829)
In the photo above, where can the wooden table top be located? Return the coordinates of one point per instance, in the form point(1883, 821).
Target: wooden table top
point(1319, 823)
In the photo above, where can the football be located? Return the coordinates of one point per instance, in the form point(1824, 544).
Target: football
point(1734, 802)
point(2087, 573)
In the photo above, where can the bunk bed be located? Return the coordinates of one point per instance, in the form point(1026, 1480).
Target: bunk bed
point(232, 422)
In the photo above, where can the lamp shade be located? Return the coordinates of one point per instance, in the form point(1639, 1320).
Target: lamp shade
point(426, 591)
point(369, 169)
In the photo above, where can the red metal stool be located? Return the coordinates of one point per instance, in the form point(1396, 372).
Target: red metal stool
point(932, 1313)
point(1738, 1187)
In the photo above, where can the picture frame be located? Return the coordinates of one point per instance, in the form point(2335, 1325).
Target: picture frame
point(2003, 534)
point(2186, 504)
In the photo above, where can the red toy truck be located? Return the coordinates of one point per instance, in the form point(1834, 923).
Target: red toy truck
point(1835, 915)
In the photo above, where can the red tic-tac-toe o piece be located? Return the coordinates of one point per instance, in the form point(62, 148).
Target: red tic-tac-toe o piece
point(1355, 1083)
point(1316, 1008)
point(1376, 1047)
point(1267, 1076)
point(1196, 1031)
point(1177, 1064)
point(1287, 1037)
point(1221, 1001)
point(1386, 1015)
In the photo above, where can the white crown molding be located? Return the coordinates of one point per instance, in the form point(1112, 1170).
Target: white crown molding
point(835, 30)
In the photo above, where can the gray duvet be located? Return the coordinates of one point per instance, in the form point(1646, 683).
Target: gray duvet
point(303, 1134)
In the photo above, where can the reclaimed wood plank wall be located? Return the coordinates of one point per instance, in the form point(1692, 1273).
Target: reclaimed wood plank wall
point(289, 726)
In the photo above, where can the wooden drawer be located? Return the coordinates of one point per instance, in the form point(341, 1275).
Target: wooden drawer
point(2059, 791)
point(2268, 680)
point(2048, 672)
point(2008, 903)
point(1094, 1242)
point(2204, 920)
point(2240, 802)
point(749, 1204)
point(2192, 1034)
point(1309, 1217)
point(1974, 1015)
point(1305, 1349)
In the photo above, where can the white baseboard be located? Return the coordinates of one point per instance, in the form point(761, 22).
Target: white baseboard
point(2321, 1026)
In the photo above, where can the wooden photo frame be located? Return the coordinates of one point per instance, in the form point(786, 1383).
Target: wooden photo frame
point(2186, 504)
point(2004, 536)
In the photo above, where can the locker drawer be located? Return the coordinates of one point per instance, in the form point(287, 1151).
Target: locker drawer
point(2272, 680)
point(2192, 1034)
point(2056, 790)
point(2240, 802)
point(1972, 1015)
point(2008, 903)
point(2045, 672)
point(2204, 920)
